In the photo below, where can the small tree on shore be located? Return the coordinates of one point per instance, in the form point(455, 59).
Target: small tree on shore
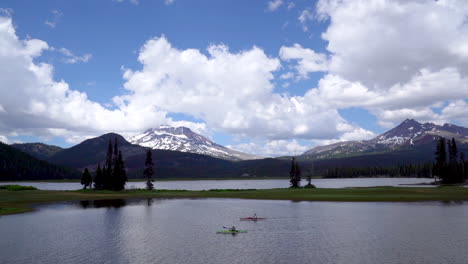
point(86, 179)
point(295, 174)
point(148, 172)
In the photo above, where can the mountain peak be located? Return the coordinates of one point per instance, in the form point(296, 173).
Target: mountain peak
point(409, 122)
point(185, 140)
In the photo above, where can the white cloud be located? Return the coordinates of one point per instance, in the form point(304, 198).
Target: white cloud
point(356, 134)
point(291, 5)
point(4, 139)
point(52, 22)
point(274, 5)
point(272, 148)
point(308, 60)
point(398, 59)
point(231, 92)
point(33, 103)
point(135, 2)
point(382, 43)
point(287, 75)
point(71, 58)
point(414, 99)
point(168, 2)
point(305, 16)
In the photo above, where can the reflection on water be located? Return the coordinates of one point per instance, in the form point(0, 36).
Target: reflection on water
point(184, 231)
point(450, 203)
point(111, 203)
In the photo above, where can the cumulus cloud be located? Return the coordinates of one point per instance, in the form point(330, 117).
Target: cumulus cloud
point(272, 148)
point(398, 59)
point(382, 43)
point(231, 92)
point(33, 103)
point(307, 60)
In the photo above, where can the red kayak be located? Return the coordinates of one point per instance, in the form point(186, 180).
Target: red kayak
point(252, 218)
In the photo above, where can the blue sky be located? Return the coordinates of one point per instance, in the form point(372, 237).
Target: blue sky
point(323, 72)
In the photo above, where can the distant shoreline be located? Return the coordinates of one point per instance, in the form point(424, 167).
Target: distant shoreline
point(14, 202)
point(215, 179)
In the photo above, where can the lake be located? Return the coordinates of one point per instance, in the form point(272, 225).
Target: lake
point(242, 184)
point(184, 231)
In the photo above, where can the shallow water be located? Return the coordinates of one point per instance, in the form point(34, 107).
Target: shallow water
point(241, 184)
point(184, 231)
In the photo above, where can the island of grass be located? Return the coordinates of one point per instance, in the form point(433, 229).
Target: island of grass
point(20, 201)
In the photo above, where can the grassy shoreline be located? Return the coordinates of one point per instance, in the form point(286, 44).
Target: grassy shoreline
point(14, 202)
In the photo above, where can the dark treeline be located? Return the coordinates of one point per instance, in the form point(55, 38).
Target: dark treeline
point(16, 165)
point(409, 170)
point(449, 166)
point(112, 176)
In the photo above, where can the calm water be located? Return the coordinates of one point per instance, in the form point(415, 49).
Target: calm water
point(241, 184)
point(184, 231)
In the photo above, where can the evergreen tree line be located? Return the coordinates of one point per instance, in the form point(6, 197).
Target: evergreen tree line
point(410, 170)
point(449, 166)
point(112, 176)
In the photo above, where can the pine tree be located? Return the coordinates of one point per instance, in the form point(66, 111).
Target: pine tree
point(120, 173)
point(453, 152)
point(295, 174)
point(86, 179)
point(148, 172)
point(440, 166)
point(116, 170)
point(107, 171)
point(99, 179)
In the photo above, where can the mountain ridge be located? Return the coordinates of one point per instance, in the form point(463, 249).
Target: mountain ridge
point(408, 134)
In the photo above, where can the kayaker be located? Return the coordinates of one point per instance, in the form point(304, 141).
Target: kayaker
point(255, 216)
point(232, 229)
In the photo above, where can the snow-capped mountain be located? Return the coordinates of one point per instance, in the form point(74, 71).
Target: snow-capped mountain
point(409, 133)
point(185, 140)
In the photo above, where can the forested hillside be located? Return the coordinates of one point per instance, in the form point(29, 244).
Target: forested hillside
point(17, 165)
